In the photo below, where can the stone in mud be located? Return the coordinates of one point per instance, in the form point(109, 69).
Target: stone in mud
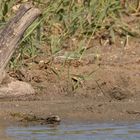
point(119, 93)
point(53, 119)
point(30, 118)
point(15, 88)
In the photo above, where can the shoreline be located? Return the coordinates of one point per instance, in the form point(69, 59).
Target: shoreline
point(72, 110)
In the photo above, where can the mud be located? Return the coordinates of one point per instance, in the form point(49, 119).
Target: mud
point(101, 90)
point(102, 86)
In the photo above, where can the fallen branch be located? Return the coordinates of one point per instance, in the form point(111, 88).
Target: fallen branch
point(13, 32)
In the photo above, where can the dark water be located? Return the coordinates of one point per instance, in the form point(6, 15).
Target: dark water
point(90, 131)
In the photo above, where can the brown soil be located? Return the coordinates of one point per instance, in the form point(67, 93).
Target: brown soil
point(103, 86)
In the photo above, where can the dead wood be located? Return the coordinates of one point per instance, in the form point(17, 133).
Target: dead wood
point(13, 32)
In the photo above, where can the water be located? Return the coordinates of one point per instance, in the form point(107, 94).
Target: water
point(101, 131)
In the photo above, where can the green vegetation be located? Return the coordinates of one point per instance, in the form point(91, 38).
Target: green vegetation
point(70, 25)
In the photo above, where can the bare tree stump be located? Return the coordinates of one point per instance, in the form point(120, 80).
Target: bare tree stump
point(13, 32)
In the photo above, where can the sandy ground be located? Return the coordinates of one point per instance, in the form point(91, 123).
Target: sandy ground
point(111, 93)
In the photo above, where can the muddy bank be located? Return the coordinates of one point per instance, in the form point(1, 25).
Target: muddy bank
point(72, 110)
point(103, 88)
point(110, 93)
